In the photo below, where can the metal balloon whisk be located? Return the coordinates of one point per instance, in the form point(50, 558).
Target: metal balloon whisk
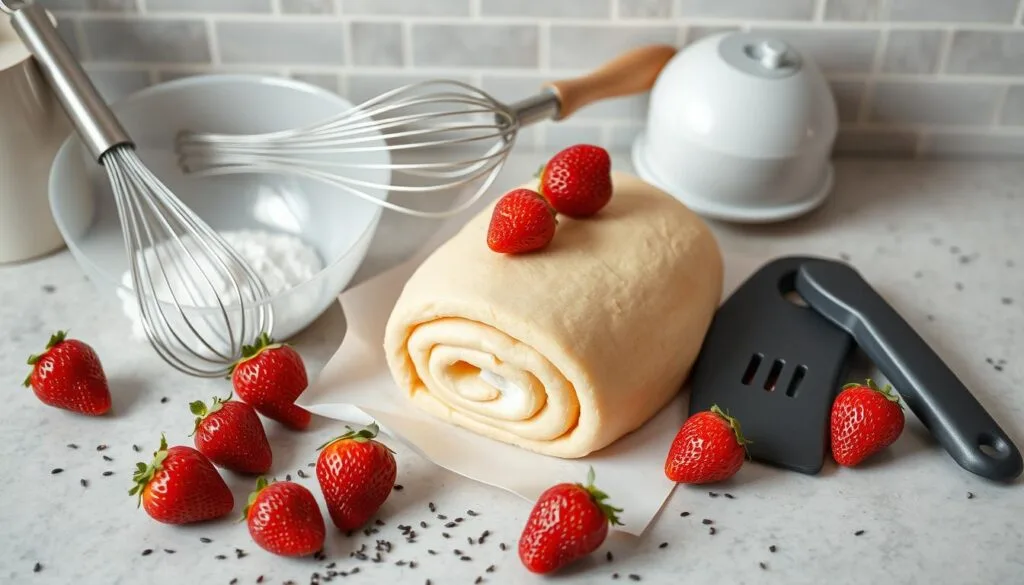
point(198, 300)
point(441, 135)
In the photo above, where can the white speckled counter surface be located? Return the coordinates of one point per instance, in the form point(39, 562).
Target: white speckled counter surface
point(944, 242)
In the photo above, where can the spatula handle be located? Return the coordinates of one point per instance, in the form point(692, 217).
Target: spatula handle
point(929, 388)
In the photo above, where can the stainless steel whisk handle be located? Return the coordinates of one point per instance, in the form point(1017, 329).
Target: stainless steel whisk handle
point(96, 124)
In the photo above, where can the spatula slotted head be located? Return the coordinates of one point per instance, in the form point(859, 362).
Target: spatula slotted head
point(775, 366)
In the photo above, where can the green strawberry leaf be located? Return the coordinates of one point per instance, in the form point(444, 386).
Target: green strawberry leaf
point(734, 424)
point(598, 497)
point(261, 484)
point(363, 435)
point(145, 473)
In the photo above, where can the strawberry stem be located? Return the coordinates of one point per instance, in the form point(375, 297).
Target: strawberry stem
point(363, 435)
point(55, 340)
point(733, 423)
point(199, 409)
point(145, 473)
point(263, 341)
point(887, 391)
point(261, 484)
point(598, 497)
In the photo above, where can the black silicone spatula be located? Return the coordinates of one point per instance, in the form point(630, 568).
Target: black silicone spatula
point(929, 388)
point(774, 365)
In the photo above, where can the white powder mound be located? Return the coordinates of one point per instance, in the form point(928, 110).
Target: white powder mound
point(282, 261)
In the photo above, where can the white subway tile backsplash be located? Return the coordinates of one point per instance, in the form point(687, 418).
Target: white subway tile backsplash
point(114, 85)
point(300, 43)
point(972, 145)
point(912, 51)
point(848, 96)
point(1013, 107)
point(364, 86)
point(872, 142)
point(645, 8)
point(66, 30)
point(476, 45)
point(308, 6)
point(766, 9)
point(583, 47)
point(833, 50)
point(321, 80)
point(934, 103)
point(986, 53)
point(855, 10)
point(407, 7)
point(1001, 11)
point(90, 5)
point(559, 135)
point(547, 8)
point(376, 44)
point(622, 136)
point(218, 6)
point(146, 41)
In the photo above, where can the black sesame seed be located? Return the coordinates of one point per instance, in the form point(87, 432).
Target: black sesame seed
point(428, 582)
point(49, 289)
point(634, 577)
point(136, 448)
point(288, 477)
point(489, 569)
point(38, 567)
point(450, 525)
point(457, 552)
point(772, 548)
point(170, 551)
point(331, 565)
point(84, 482)
point(101, 447)
point(446, 535)
point(470, 540)
point(423, 524)
point(311, 465)
point(713, 494)
point(478, 581)
point(432, 507)
point(259, 579)
point(164, 400)
point(858, 533)
point(239, 553)
point(378, 522)
point(970, 495)
point(730, 496)
point(220, 557)
point(459, 519)
point(56, 470)
point(354, 571)
point(762, 565)
point(707, 521)
point(465, 558)
point(1007, 300)
point(400, 563)
point(233, 581)
point(205, 540)
point(609, 557)
point(301, 474)
point(502, 546)
point(472, 513)
point(663, 545)
point(712, 530)
point(431, 551)
point(684, 514)
point(615, 575)
point(72, 446)
point(147, 552)
point(108, 458)
point(442, 517)
point(399, 487)
point(108, 473)
point(412, 564)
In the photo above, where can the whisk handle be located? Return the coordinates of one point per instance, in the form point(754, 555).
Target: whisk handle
point(96, 124)
point(631, 72)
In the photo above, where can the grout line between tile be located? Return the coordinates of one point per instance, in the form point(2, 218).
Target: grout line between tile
point(997, 112)
point(475, 8)
point(78, 30)
point(214, 44)
point(346, 44)
point(944, 50)
point(275, 7)
point(1017, 18)
point(407, 52)
point(819, 11)
point(544, 46)
point(615, 10)
point(868, 97)
point(141, 6)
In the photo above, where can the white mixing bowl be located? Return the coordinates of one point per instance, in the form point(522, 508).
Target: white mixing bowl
point(740, 127)
point(337, 225)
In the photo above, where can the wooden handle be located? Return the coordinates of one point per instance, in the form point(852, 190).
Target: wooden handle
point(631, 72)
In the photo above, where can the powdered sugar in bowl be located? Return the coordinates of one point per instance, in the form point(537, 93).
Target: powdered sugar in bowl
point(305, 238)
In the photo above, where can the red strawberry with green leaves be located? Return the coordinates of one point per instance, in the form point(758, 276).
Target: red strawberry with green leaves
point(69, 375)
point(569, 521)
point(284, 518)
point(231, 435)
point(521, 222)
point(577, 181)
point(181, 486)
point(356, 474)
point(865, 419)
point(708, 448)
point(271, 376)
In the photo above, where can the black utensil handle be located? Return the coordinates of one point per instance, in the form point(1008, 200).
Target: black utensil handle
point(931, 390)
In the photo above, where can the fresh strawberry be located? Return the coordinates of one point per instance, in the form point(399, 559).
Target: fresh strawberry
point(865, 420)
point(577, 181)
point(356, 474)
point(181, 486)
point(69, 375)
point(569, 521)
point(520, 222)
point(284, 518)
point(231, 435)
point(271, 376)
point(708, 448)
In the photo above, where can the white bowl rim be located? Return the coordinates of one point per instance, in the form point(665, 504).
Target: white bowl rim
point(209, 79)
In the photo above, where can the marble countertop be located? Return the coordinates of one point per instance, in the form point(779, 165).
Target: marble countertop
point(944, 242)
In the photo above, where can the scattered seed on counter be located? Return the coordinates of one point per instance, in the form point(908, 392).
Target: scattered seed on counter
point(49, 289)
point(970, 495)
point(331, 565)
point(400, 563)
point(108, 473)
point(311, 465)
point(56, 470)
point(354, 571)
point(459, 519)
point(959, 286)
point(84, 482)
point(858, 533)
point(634, 577)
point(684, 514)
point(450, 525)
point(442, 517)
point(457, 552)
point(446, 535)
point(379, 522)
point(713, 494)
point(431, 551)
point(221, 557)
point(730, 496)
point(470, 540)
point(239, 553)
point(489, 569)
point(1007, 301)
point(431, 507)
point(205, 540)
point(259, 579)
point(663, 545)
point(954, 249)
point(427, 582)
point(423, 524)
point(233, 581)
point(288, 477)
point(615, 575)
point(465, 558)
point(772, 548)
point(609, 557)
point(502, 546)
point(472, 513)
point(38, 567)
point(72, 446)
point(164, 400)
point(763, 565)
point(108, 458)
point(478, 581)
point(101, 447)
point(301, 474)
point(136, 448)
point(147, 552)
point(707, 521)
point(711, 530)
point(412, 564)
point(399, 487)
point(170, 551)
